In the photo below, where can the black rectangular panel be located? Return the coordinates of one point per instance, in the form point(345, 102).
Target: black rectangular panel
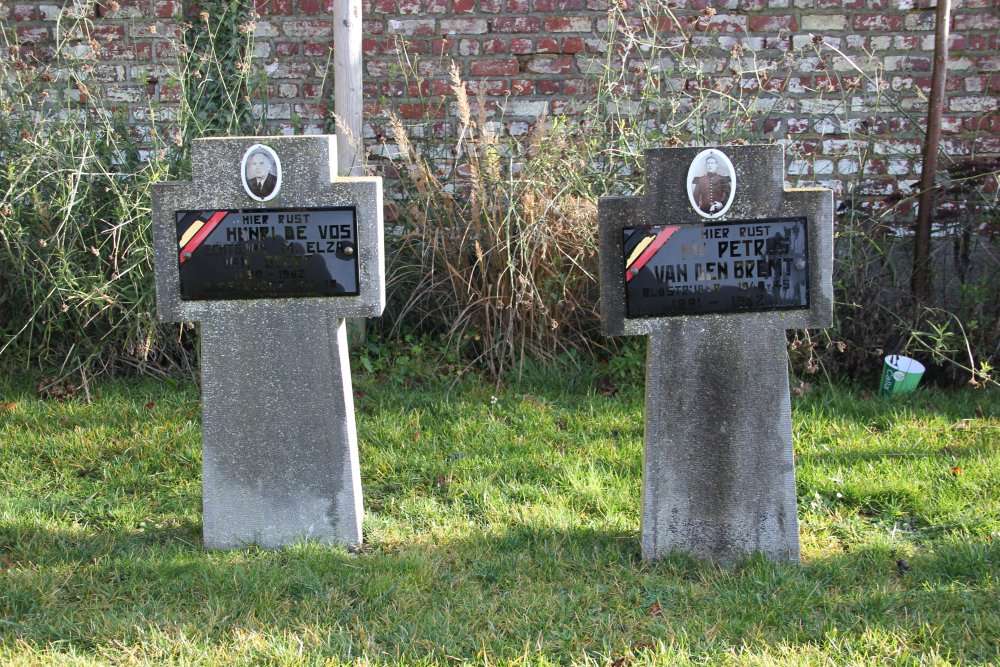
point(741, 266)
point(268, 253)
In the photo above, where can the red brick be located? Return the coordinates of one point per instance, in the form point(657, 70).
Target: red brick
point(494, 67)
point(463, 6)
point(317, 49)
point(522, 87)
point(310, 6)
point(410, 6)
point(573, 45)
point(978, 21)
point(274, 7)
point(547, 45)
point(313, 111)
point(494, 46)
point(517, 24)
point(728, 23)
point(491, 6)
point(106, 33)
point(521, 46)
point(494, 87)
point(545, 65)
point(384, 6)
point(568, 24)
point(24, 13)
point(989, 123)
point(760, 23)
point(311, 91)
point(369, 47)
point(556, 6)
point(519, 6)
point(417, 111)
point(442, 47)
point(548, 87)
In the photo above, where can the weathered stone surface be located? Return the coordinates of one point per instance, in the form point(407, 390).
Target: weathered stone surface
point(279, 443)
point(718, 471)
point(307, 168)
point(759, 194)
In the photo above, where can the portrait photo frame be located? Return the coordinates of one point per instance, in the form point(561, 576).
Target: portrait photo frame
point(266, 187)
point(711, 183)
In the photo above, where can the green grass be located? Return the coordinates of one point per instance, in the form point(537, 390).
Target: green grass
point(497, 531)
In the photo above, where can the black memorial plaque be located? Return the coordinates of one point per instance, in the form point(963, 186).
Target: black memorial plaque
point(741, 266)
point(267, 253)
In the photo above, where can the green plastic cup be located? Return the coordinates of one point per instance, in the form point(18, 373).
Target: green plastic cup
point(900, 375)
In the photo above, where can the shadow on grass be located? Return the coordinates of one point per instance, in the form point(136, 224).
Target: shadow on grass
point(559, 595)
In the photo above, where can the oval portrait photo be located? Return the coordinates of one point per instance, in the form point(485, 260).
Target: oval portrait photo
point(261, 172)
point(711, 183)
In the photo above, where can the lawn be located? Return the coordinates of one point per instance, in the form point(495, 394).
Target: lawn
point(501, 527)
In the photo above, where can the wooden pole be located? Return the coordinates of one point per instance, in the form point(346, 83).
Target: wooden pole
point(347, 86)
point(347, 103)
point(921, 282)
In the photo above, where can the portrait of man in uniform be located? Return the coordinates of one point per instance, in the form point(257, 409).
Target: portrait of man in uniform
point(711, 182)
point(261, 172)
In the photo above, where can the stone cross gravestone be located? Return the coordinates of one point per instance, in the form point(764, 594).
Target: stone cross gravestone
point(714, 263)
point(270, 251)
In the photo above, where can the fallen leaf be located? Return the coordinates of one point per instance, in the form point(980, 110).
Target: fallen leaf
point(654, 610)
point(150, 405)
point(9, 405)
point(416, 436)
point(956, 471)
point(441, 482)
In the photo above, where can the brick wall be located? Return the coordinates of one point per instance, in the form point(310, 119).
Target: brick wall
point(532, 56)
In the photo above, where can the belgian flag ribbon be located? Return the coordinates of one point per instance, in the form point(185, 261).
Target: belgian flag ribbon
point(197, 231)
point(645, 249)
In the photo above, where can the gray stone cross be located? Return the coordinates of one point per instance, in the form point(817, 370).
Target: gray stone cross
point(270, 251)
point(714, 263)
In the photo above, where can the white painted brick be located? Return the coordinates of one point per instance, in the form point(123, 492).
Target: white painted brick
point(899, 167)
point(824, 22)
point(973, 104)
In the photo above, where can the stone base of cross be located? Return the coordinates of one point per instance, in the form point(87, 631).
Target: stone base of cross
point(270, 252)
point(714, 264)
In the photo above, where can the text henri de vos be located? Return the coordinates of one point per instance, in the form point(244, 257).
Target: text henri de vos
point(291, 227)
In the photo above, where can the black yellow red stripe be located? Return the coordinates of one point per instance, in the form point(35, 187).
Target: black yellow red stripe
point(201, 235)
point(633, 269)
